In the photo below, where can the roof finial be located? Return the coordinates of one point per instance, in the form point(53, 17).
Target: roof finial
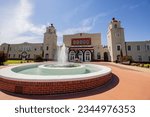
point(113, 18)
point(51, 25)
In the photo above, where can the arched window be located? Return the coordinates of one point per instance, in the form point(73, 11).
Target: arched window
point(87, 55)
point(115, 26)
point(71, 56)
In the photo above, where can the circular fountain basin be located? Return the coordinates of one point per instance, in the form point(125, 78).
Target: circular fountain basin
point(53, 79)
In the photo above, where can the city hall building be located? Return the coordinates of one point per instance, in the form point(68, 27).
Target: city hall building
point(82, 46)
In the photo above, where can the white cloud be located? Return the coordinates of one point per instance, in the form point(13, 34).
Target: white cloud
point(15, 23)
point(85, 26)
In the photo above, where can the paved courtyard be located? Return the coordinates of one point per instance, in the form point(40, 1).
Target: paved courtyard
point(128, 82)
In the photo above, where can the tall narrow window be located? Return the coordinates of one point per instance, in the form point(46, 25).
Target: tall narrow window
point(47, 48)
point(118, 47)
point(149, 58)
point(148, 47)
point(129, 48)
point(115, 25)
point(29, 56)
point(138, 47)
point(140, 58)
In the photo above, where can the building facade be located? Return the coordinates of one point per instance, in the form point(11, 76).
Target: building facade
point(139, 51)
point(83, 46)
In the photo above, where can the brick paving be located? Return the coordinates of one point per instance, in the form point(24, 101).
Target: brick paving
point(128, 83)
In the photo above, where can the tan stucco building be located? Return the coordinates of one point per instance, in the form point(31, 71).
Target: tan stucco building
point(83, 46)
point(117, 46)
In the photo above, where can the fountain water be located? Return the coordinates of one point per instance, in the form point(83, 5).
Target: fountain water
point(62, 55)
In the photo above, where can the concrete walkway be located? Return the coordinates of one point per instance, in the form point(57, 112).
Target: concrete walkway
point(129, 83)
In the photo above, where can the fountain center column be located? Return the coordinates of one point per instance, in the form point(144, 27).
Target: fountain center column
point(62, 54)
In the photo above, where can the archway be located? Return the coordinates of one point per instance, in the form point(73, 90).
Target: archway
point(71, 56)
point(80, 56)
point(87, 56)
point(105, 56)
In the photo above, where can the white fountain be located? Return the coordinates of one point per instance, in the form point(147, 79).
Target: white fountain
point(62, 55)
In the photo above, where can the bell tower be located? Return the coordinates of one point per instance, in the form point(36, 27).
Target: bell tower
point(50, 43)
point(116, 40)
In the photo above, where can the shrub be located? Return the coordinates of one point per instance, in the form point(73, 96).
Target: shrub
point(146, 65)
point(141, 65)
point(38, 58)
point(127, 58)
point(3, 57)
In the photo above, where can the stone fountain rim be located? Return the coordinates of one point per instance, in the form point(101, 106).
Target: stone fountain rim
point(7, 73)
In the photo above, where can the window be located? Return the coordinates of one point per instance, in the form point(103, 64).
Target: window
point(138, 47)
point(3, 48)
point(10, 48)
point(14, 56)
point(117, 34)
point(47, 48)
point(28, 56)
point(87, 55)
point(149, 58)
point(71, 56)
point(148, 47)
point(35, 49)
point(140, 58)
point(129, 48)
point(115, 26)
point(118, 47)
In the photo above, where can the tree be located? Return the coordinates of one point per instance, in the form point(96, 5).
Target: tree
point(3, 57)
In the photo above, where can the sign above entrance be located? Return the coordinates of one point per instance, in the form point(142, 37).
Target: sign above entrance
point(81, 41)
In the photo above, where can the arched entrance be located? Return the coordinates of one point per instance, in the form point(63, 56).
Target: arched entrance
point(87, 56)
point(71, 56)
point(80, 56)
point(105, 56)
point(47, 56)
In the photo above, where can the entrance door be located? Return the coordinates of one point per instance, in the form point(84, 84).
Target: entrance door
point(46, 56)
point(87, 56)
point(105, 56)
point(80, 55)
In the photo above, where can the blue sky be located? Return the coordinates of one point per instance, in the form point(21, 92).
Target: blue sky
point(25, 20)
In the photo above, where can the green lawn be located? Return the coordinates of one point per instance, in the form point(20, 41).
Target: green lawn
point(16, 61)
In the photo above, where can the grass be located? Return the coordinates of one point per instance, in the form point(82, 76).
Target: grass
point(16, 61)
